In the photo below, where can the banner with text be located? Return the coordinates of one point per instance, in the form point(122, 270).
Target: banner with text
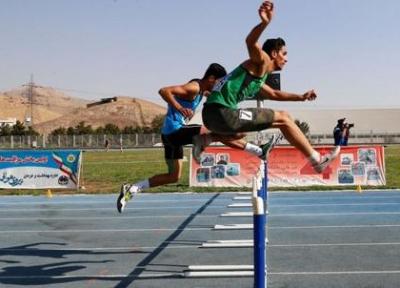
point(40, 169)
point(287, 167)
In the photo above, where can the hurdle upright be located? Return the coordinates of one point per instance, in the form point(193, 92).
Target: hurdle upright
point(260, 211)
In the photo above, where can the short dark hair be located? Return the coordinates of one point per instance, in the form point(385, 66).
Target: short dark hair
point(274, 44)
point(216, 70)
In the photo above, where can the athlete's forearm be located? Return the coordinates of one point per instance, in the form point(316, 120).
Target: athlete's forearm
point(255, 34)
point(285, 96)
point(169, 98)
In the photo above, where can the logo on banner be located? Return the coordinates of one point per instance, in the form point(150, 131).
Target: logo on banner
point(63, 180)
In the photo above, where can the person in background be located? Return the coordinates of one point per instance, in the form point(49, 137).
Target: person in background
point(338, 131)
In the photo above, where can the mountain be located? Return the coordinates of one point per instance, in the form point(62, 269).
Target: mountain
point(48, 104)
point(125, 111)
point(52, 109)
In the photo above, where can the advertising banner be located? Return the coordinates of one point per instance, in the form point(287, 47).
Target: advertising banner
point(40, 169)
point(287, 167)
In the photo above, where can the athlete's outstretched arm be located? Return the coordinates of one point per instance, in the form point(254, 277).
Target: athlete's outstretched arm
point(267, 92)
point(255, 50)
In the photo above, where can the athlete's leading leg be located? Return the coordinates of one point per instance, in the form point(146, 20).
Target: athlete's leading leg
point(295, 136)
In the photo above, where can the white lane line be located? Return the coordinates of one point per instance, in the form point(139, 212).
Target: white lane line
point(336, 226)
point(195, 274)
point(250, 226)
point(143, 275)
point(89, 202)
point(335, 273)
point(172, 245)
point(245, 205)
point(234, 214)
point(216, 227)
point(206, 274)
point(103, 230)
point(332, 214)
point(337, 205)
point(333, 244)
point(297, 215)
point(349, 193)
point(117, 217)
point(105, 208)
point(51, 202)
point(169, 246)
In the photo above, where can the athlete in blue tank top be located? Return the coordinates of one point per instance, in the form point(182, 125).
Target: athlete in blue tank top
point(182, 101)
point(174, 120)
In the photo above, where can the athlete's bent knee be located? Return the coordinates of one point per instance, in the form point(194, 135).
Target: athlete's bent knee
point(283, 118)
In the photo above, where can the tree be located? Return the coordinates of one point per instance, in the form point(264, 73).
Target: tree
point(157, 123)
point(111, 129)
point(99, 130)
point(18, 128)
point(59, 131)
point(31, 132)
point(5, 130)
point(82, 129)
point(70, 131)
point(304, 127)
point(129, 130)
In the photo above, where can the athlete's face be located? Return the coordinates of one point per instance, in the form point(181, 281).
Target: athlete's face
point(211, 80)
point(280, 58)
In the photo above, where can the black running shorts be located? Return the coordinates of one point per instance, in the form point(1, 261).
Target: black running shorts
point(223, 120)
point(174, 142)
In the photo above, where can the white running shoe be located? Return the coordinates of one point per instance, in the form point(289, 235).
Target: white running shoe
point(125, 195)
point(327, 159)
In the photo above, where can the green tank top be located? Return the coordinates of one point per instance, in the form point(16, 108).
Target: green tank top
point(236, 87)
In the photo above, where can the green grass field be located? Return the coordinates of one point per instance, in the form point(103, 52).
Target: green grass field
point(103, 172)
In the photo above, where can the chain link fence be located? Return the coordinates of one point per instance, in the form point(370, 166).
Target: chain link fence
point(130, 141)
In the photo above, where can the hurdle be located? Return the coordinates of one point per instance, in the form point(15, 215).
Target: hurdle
point(258, 270)
point(260, 211)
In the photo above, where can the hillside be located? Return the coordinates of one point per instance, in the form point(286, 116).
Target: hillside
point(124, 112)
point(48, 104)
point(53, 109)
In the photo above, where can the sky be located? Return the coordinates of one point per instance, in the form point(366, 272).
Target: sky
point(347, 50)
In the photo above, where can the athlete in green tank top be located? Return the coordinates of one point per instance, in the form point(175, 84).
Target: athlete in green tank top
point(237, 86)
point(221, 114)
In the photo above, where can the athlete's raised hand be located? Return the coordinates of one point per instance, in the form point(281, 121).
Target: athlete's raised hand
point(266, 11)
point(309, 95)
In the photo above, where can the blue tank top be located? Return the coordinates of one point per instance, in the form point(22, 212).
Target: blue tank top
point(174, 120)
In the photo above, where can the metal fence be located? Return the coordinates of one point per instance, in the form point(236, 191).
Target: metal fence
point(129, 141)
point(81, 141)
